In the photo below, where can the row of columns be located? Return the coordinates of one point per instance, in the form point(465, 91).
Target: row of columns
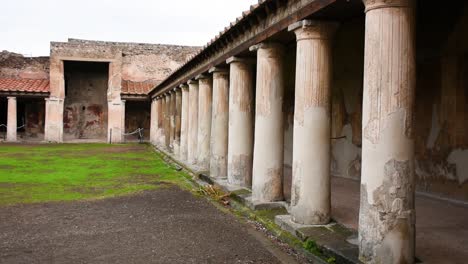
point(221, 132)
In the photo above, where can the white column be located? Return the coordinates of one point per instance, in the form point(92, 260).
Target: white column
point(310, 194)
point(240, 139)
point(184, 122)
point(205, 85)
point(167, 121)
point(387, 214)
point(172, 120)
point(178, 111)
point(219, 123)
point(192, 140)
point(267, 181)
point(160, 105)
point(154, 121)
point(11, 119)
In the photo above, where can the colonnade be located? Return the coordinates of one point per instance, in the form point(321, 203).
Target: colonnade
point(237, 137)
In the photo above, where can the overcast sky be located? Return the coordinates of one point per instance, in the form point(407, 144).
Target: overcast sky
point(27, 26)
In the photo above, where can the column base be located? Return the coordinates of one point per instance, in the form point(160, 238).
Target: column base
point(255, 205)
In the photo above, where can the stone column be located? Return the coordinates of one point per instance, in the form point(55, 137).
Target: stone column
point(240, 140)
point(387, 215)
point(310, 194)
point(116, 121)
point(205, 85)
point(160, 105)
point(267, 182)
point(11, 120)
point(172, 114)
point(184, 122)
point(167, 121)
point(219, 123)
point(192, 139)
point(178, 110)
point(153, 122)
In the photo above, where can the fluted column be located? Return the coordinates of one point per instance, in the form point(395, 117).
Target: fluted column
point(160, 105)
point(184, 122)
point(172, 120)
point(240, 139)
point(192, 140)
point(167, 121)
point(219, 123)
point(310, 194)
point(267, 181)
point(387, 215)
point(205, 85)
point(178, 111)
point(154, 121)
point(11, 119)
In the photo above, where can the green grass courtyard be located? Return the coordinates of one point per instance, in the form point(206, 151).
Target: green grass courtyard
point(63, 172)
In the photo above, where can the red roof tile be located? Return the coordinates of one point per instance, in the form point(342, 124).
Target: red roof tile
point(131, 87)
point(24, 85)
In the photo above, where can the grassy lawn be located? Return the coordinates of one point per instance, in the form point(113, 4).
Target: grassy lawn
point(40, 173)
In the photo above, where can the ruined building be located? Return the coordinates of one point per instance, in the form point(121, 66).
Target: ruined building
point(85, 90)
point(290, 94)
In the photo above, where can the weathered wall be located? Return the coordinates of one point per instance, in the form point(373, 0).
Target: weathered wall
point(13, 65)
point(442, 101)
point(85, 113)
point(34, 117)
point(288, 117)
point(137, 115)
point(347, 85)
point(146, 62)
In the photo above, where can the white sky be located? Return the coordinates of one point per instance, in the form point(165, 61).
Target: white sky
point(27, 26)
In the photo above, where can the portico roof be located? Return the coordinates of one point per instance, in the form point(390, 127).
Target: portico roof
point(24, 85)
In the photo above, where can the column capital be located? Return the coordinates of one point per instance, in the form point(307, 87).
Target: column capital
point(192, 81)
point(239, 59)
point(313, 29)
point(202, 76)
point(375, 4)
point(218, 70)
point(11, 97)
point(268, 45)
point(183, 86)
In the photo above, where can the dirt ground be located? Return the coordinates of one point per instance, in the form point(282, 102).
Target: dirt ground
point(166, 225)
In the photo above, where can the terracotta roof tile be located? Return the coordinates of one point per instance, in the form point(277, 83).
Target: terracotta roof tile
point(24, 85)
point(131, 87)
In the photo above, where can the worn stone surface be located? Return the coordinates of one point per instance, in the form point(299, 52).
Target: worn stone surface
point(204, 121)
point(268, 159)
point(310, 196)
point(13, 65)
point(241, 122)
point(192, 139)
point(386, 227)
point(219, 124)
point(167, 121)
point(154, 122)
point(12, 119)
point(184, 126)
point(178, 117)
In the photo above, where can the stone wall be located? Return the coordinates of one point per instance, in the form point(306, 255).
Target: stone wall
point(13, 65)
point(145, 62)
